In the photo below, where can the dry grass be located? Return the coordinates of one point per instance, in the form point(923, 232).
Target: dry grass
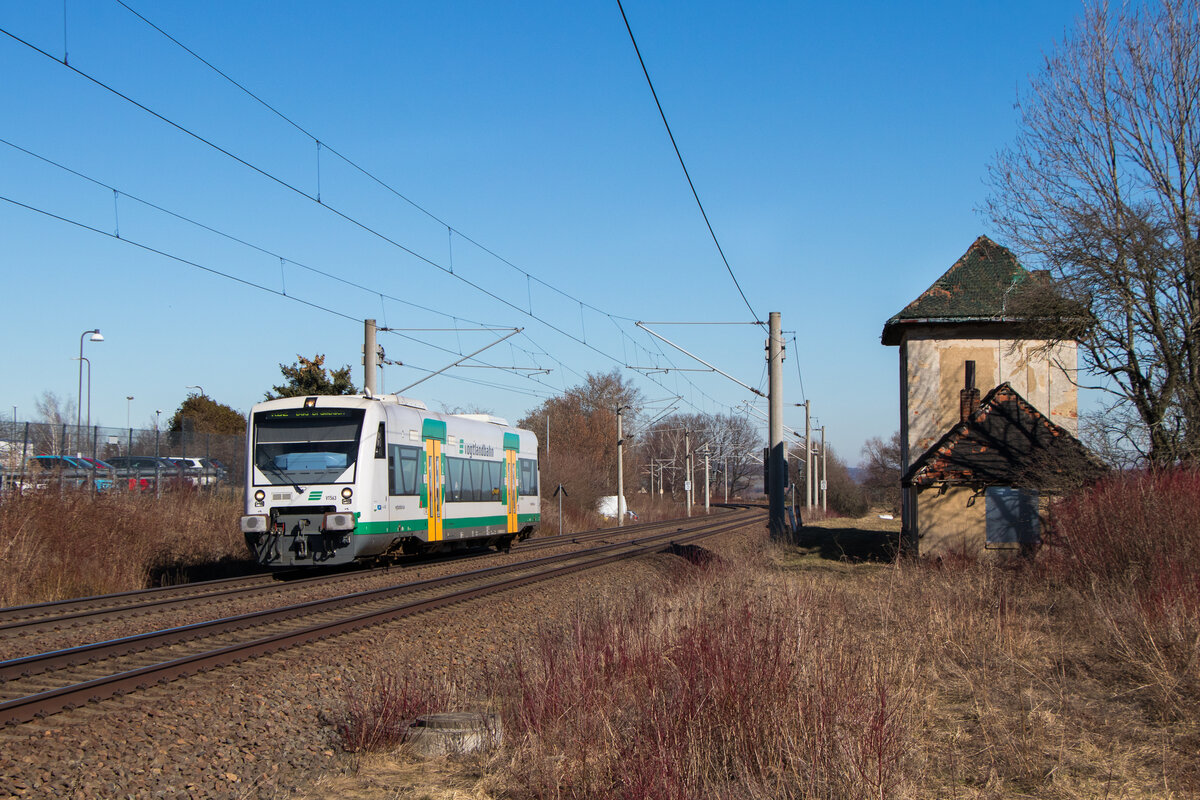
point(731, 684)
point(55, 545)
point(827, 671)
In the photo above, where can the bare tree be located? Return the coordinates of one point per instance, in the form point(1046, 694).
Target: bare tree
point(881, 463)
point(1115, 435)
point(1101, 186)
point(843, 494)
point(583, 444)
point(729, 440)
point(56, 429)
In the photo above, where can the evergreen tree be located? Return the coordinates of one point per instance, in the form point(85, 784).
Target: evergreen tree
point(308, 376)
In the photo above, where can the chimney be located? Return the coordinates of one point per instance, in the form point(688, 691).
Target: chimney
point(968, 398)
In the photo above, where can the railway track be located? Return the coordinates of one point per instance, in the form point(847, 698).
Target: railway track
point(43, 684)
point(78, 612)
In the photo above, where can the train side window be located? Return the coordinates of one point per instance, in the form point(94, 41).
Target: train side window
point(403, 469)
point(478, 480)
point(492, 487)
point(528, 477)
point(381, 443)
point(454, 479)
point(467, 492)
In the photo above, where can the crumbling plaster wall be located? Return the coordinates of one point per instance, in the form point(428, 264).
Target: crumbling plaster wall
point(935, 369)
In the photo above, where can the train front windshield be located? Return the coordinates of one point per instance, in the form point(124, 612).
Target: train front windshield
point(306, 445)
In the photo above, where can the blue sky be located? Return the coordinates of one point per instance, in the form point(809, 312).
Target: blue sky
point(839, 150)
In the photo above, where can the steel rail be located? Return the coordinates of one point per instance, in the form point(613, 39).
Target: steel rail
point(78, 611)
point(31, 707)
point(69, 657)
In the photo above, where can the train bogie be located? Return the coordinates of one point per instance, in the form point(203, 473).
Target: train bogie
point(334, 479)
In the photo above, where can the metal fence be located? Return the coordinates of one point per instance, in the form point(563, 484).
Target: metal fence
point(21, 441)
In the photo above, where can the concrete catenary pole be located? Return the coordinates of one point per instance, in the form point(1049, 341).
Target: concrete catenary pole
point(808, 460)
point(620, 471)
point(706, 481)
point(778, 460)
point(824, 475)
point(370, 357)
point(687, 470)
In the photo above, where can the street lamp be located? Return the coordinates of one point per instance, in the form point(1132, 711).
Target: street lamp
point(128, 402)
point(201, 388)
point(96, 337)
point(157, 414)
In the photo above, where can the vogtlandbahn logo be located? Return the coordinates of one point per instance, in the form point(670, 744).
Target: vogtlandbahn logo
point(314, 495)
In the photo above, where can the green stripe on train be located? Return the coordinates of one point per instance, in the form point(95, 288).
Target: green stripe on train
point(422, 524)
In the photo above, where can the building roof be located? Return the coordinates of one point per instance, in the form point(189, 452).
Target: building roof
point(981, 287)
point(1005, 442)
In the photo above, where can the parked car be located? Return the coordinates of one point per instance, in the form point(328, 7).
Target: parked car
point(140, 473)
point(193, 471)
point(217, 468)
point(201, 471)
point(95, 463)
point(43, 471)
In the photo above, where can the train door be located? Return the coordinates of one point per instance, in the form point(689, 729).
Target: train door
point(434, 434)
point(510, 486)
point(511, 481)
point(433, 480)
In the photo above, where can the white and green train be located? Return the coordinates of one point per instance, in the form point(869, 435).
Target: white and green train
point(332, 479)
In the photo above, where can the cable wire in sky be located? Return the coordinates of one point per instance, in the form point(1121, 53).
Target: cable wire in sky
point(451, 230)
point(366, 228)
point(322, 144)
point(249, 284)
point(679, 155)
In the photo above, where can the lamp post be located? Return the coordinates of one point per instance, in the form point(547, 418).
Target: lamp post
point(128, 402)
point(96, 337)
point(201, 388)
point(157, 414)
point(88, 361)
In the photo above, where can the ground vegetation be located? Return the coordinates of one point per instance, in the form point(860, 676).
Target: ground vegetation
point(830, 670)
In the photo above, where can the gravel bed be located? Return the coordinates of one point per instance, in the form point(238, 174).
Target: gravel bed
point(265, 728)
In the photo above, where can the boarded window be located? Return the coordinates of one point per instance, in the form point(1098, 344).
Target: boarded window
point(1012, 517)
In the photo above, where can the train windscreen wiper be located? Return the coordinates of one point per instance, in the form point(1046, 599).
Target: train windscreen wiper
point(286, 478)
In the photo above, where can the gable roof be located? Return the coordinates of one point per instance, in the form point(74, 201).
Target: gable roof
point(980, 287)
point(1005, 442)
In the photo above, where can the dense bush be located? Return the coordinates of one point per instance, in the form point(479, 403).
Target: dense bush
point(732, 690)
point(1131, 544)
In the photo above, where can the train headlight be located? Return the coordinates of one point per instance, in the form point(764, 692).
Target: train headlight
point(259, 497)
point(347, 493)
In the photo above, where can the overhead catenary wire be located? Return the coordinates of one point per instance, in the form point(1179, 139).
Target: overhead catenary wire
point(282, 259)
point(346, 217)
point(451, 231)
point(195, 264)
point(679, 155)
point(230, 237)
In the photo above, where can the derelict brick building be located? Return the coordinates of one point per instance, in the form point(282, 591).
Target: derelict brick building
point(973, 315)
